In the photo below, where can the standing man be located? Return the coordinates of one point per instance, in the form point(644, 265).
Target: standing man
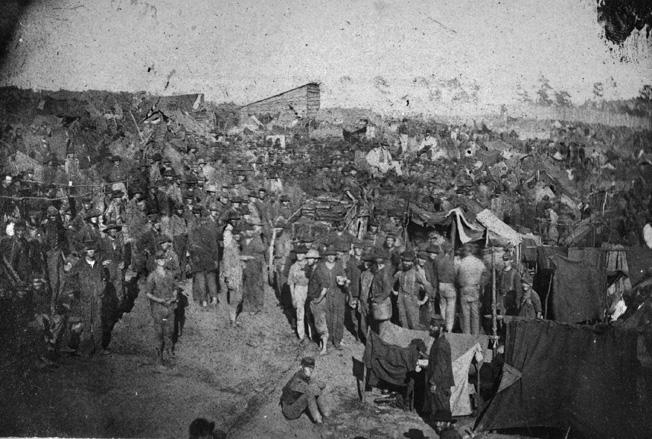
point(231, 271)
point(444, 266)
point(54, 246)
point(509, 287)
point(203, 249)
point(92, 284)
point(298, 283)
point(381, 292)
point(472, 275)
point(530, 302)
point(353, 269)
point(440, 368)
point(323, 287)
point(410, 282)
point(300, 394)
point(161, 290)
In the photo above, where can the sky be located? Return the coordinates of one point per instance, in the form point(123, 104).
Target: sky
point(438, 55)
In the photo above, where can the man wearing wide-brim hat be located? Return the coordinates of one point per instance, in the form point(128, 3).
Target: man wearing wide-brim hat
point(300, 394)
point(410, 283)
point(381, 291)
point(327, 299)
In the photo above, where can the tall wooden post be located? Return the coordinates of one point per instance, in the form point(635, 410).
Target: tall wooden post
point(494, 316)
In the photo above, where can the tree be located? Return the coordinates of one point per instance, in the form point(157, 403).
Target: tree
point(620, 18)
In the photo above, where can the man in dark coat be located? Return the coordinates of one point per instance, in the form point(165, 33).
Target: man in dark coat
point(300, 394)
point(440, 368)
point(204, 254)
point(91, 276)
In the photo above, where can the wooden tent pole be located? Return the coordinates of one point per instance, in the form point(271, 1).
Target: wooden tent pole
point(552, 276)
point(494, 316)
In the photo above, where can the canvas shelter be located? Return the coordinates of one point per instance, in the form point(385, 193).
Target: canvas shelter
point(562, 375)
point(464, 350)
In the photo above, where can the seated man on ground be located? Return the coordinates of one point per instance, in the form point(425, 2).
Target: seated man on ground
point(300, 394)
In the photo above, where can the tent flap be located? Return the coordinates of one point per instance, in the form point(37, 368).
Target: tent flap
point(570, 376)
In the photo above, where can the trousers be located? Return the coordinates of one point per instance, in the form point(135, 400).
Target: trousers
point(335, 314)
point(313, 400)
point(163, 318)
point(319, 312)
point(299, 296)
point(204, 285)
point(470, 317)
point(447, 299)
point(408, 311)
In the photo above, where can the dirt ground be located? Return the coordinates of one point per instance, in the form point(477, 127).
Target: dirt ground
point(233, 376)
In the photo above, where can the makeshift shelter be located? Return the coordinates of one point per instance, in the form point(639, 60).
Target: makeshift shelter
point(561, 375)
point(383, 360)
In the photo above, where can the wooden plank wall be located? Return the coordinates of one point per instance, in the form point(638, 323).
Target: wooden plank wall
point(305, 101)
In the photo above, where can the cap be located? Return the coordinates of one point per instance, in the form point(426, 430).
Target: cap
point(159, 255)
point(89, 244)
point(51, 211)
point(308, 362)
point(422, 255)
point(433, 249)
point(507, 257)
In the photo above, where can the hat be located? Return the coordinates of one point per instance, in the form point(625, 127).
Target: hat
point(507, 257)
point(117, 194)
point(280, 223)
point(169, 173)
point(342, 247)
point(380, 254)
point(284, 198)
point(211, 188)
point(312, 254)
point(433, 249)
point(330, 251)
point(159, 255)
point(422, 255)
point(164, 238)
point(308, 362)
point(443, 416)
point(52, 211)
point(157, 157)
point(93, 213)
point(262, 189)
point(437, 321)
point(358, 243)
point(196, 209)
point(112, 225)
point(116, 158)
point(90, 244)
point(301, 249)
point(407, 256)
point(525, 279)
point(152, 217)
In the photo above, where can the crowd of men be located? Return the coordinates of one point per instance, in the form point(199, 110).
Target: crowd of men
point(89, 256)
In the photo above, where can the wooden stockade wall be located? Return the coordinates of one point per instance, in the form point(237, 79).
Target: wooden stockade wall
point(305, 101)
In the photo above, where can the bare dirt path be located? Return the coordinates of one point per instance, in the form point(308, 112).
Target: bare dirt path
point(231, 375)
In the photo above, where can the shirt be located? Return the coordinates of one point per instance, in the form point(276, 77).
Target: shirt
point(297, 275)
point(471, 272)
point(445, 269)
